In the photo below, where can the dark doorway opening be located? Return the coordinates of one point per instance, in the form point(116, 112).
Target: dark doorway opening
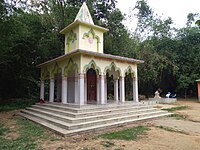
point(91, 86)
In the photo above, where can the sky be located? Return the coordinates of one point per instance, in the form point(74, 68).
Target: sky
point(176, 9)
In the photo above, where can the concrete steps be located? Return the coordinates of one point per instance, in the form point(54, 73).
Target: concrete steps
point(92, 108)
point(70, 120)
point(87, 117)
point(88, 112)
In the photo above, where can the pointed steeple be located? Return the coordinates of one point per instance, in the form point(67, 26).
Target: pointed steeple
point(84, 15)
point(83, 34)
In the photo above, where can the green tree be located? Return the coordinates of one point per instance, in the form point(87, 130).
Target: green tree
point(30, 35)
point(157, 49)
point(188, 59)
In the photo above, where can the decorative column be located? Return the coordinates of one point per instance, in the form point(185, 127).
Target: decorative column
point(76, 89)
point(116, 90)
point(102, 89)
point(42, 89)
point(59, 88)
point(105, 90)
point(85, 87)
point(64, 89)
point(122, 90)
point(81, 89)
point(98, 89)
point(51, 91)
point(135, 90)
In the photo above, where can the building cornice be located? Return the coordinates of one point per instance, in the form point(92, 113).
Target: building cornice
point(90, 53)
point(78, 22)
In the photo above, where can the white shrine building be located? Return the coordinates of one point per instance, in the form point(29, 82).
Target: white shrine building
point(79, 76)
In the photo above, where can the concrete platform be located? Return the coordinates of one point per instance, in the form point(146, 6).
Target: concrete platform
point(153, 101)
point(68, 120)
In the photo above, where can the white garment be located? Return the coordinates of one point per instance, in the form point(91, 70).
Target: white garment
point(167, 95)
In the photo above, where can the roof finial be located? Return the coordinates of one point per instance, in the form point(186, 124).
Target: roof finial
point(84, 14)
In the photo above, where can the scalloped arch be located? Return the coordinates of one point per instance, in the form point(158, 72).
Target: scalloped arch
point(115, 68)
point(45, 74)
point(70, 66)
point(92, 65)
point(56, 70)
point(129, 70)
point(71, 38)
point(94, 36)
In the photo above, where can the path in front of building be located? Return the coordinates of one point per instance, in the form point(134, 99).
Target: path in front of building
point(191, 122)
point(184, 134)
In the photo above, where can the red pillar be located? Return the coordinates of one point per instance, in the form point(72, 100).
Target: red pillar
point(198, 85)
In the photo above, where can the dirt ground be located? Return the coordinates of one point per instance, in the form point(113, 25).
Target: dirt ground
point(187, 137)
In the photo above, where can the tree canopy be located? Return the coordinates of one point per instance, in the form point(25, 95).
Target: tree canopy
point(30, 35)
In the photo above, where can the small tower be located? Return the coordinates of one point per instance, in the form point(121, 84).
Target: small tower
point(83, 34)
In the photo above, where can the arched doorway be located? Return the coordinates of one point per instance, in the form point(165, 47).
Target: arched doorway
point(112, 77)
point(110, 87)
point(128, 87)
point(91, 86)
point(58, 87)
point(72, 84)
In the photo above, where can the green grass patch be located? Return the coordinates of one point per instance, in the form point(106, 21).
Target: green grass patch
point(178, 116)
point(128, 134)
point(3, 129)
point(172, 129)
point(19, 104)
point(176, 108)
point(30, 135)
point(31, 129)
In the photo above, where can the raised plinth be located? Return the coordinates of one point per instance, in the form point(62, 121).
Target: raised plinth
point(162, 100)
point(69, 119)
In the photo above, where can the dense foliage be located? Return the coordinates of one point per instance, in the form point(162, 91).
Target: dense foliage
point(30, 35)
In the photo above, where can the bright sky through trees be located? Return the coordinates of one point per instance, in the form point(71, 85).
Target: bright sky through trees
point(176, 9)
